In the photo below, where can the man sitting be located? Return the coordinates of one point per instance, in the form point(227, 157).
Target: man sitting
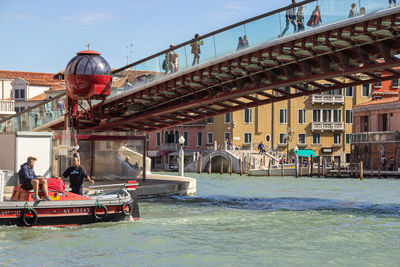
point(29, 180)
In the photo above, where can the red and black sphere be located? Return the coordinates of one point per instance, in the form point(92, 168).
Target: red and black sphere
point(88, 75)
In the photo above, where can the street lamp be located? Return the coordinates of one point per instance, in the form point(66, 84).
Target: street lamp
point(296, 148)
point(181, 156)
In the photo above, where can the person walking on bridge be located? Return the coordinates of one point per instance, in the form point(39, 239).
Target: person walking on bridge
point(392, 1)
point(353, 11)
point(290, 18)
point(196, 50)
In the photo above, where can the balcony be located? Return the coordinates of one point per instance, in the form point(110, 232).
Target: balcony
point(375, 137)
point(327, 99)
point(327, 126)
point(7, 107)
point(169, 147)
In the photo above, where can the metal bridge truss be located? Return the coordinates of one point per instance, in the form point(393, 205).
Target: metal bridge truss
point(344, 54)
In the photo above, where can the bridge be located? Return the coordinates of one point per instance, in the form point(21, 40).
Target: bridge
point(341, 52)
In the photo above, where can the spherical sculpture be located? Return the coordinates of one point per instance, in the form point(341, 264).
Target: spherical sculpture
point(88, 75)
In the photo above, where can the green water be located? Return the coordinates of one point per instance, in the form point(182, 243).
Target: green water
point(233, 221)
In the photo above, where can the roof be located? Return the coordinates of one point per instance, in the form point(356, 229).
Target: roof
point(34, 78)
point(40, 97)
point(118, 83)
point(305, 153)
point(379, 101)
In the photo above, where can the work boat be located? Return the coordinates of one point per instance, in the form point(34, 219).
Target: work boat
point(108, 203)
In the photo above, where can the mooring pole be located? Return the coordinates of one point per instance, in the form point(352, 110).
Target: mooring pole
point(222, 166)
point(209, 166)
point(240, 167)
point(199, 164)
point(361, 171)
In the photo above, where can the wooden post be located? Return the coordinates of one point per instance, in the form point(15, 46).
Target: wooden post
point(361, 170)
point(244, 165)
point(319, 167)
point(282, 168)
point(371, 164)
point(240, 167)
point(308, 167)
point(325, 169)
point(199, 164)
point(300, 167)
point(209, 166)
point(379, 167)
point(311, 166)
point(222, 166)
point(230, 165)
point(264, 161)
point(269, 167)
point(338, 171)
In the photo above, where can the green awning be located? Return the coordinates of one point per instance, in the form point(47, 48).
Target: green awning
point(305, 153)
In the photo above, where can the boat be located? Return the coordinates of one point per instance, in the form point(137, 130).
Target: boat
point(108, 203)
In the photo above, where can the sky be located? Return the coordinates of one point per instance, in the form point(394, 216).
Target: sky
point(43, 35)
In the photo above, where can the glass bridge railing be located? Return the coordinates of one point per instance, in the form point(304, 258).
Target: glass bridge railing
point(36, 116)
point(303, 16)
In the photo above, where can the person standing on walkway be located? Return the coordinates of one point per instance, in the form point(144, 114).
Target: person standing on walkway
point(300, 19)
point(290, 18)
point(245, 42)
point(315, 18)
point(392, 1)
point(353, 11)
point(76, 174)
point(196, 50)
point(383, 162)
point(240, 44)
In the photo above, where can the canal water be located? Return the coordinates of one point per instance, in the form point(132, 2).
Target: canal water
point(233, 221)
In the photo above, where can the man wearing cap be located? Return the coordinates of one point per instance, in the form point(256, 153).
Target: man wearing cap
point(29, 180)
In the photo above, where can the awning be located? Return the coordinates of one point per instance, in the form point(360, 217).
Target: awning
point(305, 153)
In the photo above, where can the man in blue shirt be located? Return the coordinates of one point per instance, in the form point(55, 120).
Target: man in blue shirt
point(29, 180)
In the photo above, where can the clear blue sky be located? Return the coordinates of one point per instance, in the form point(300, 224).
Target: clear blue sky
point(43, 35)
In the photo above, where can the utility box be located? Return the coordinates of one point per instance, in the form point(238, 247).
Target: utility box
point(18, 146)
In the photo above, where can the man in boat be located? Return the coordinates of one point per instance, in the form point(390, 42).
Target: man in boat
point(29, 180)
point(76, 174)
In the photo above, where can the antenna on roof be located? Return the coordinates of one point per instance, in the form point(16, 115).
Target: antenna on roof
point(88, 46)
point(129, 53)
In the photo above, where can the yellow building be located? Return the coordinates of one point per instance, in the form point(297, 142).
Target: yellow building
point(321, 122)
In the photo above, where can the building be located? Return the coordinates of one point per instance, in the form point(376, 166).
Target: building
point(385, 89)
point(21, 90)
point(163, 146)
point(321, 122)
point(376, 133)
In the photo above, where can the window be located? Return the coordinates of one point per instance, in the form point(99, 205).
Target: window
point(210, 120)
point(286, 89)
point(22, 93)
point(186, 136)
point(326, 115)
point(210, 137)
point(147, 140)
point(336, 139)
point(316, 115)
point(16, 109)
point(316, 139)
point(301, 116)
point(365, 90)
point(302, 139)
point(349, 91)
point(349, 116)
point(158, 139)
point(248, 115)
point(267, 138)
point(348, 139)
point(199, 139)
point(227, 118)
point(282, 138)
point(227, 136)
point(283, 116)
point(16, 94)
point(378, 84)
point(247, 138)
point(337, 115)
point(395, 83)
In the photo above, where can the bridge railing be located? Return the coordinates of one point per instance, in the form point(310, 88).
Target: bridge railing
point(258, 30)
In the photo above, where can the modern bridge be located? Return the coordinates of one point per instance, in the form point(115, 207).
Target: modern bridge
point(341, 52)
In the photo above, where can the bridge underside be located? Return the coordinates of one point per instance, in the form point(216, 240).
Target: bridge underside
point(314, 62)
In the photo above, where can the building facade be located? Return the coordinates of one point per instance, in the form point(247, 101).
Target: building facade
point(321, 122)
point(376, 134)
point(163, 146)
